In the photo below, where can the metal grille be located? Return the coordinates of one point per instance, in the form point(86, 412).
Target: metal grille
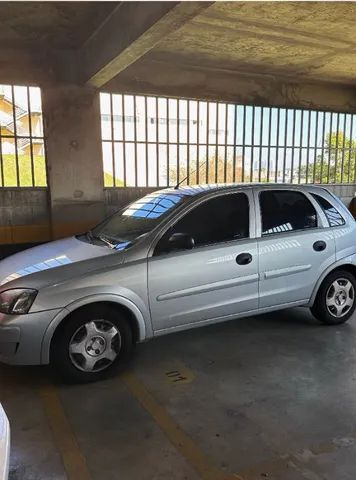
point(22, 152)
point(157, 141)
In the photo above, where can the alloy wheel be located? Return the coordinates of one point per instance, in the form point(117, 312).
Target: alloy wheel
point(340, 297)
point(95, 346)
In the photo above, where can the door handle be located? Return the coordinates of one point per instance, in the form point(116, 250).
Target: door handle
point(244, 258)
point(319, 245)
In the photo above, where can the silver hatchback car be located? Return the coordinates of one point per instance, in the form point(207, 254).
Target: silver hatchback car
point(173, 260)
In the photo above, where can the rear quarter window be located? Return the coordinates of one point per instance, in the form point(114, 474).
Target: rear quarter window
point(333, 216)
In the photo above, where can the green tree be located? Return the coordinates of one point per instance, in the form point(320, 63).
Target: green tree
point(336, 163)
point(9, 173)
point(109, 180)
point(208, 172)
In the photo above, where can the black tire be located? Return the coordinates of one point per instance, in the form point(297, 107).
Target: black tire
point(327, 314)
point(67, 364)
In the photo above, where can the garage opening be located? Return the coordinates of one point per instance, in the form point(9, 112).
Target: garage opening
point(22, 143)
point(158, 141)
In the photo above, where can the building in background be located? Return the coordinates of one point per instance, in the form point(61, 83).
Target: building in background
point(22, 144)
point(151, 141)
point(158, 141)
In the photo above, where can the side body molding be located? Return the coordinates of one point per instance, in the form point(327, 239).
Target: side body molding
point(144, 328)
point(282, 272)
point(209, 287)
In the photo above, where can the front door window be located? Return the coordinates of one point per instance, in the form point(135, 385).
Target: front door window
point(220, 219)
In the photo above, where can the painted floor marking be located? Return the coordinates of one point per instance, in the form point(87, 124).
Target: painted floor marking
point(178, 374)
point(73, 460)
point(177, 436)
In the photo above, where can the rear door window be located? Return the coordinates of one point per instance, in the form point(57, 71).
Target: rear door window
point(284, 211)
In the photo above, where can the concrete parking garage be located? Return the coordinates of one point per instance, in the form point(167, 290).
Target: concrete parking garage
point(265, 397)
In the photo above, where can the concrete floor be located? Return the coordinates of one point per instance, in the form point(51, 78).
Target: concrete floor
point(267, 397)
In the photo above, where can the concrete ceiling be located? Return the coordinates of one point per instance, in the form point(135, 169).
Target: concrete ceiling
point(315, 40)
point(262, 53)
point(298, 40)
point(46, 25)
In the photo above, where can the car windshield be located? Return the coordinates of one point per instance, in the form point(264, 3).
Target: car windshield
point(128, 225)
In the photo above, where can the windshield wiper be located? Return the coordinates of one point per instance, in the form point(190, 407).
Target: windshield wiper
point(90, 236)
point(106, 241)
point(110, 242)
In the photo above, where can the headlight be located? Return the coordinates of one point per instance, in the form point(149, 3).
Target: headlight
point(17, 300)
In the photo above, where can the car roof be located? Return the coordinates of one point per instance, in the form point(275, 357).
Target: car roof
point(195, 190)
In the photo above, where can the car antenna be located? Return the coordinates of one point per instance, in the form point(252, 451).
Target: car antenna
point(185, 178)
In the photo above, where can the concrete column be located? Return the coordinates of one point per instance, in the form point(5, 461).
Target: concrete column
point(74, 158)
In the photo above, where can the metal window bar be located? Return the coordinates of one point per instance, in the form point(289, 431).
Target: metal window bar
point(298, 155)
point(322, 151)
point(123, 142)
point(168, 149)
point(308, 148)
point(178, 140)
point(197, 172)
point(217, 141)
point(300, 146)
point(315, 145)
point(329, 147)
point(188, 143)
point(226, 142)
point(350, 147)
point(235, 137)
point(261, 142)
point(146, 143)
point(21, 166)
point(157, 143)
point(113, 138)
point(343, 150)
point(285, 145)
point(269, 145)
point(337, 145)
point(277, 146)
point(243, 143)
point(30, 133)
point(207, 143)
point(293, 148)
point(135, 139)
point(15, 136)
point(252, 142)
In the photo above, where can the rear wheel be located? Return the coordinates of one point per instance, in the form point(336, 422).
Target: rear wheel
point(93, 343)
point(335, 300)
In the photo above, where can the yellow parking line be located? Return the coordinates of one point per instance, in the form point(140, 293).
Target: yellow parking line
point(178, 437)
point(73, 460)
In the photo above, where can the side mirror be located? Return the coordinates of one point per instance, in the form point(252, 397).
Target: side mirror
point(180, 241)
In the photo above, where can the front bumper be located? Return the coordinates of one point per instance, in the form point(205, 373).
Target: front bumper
point(22, 336)
point(4, 445)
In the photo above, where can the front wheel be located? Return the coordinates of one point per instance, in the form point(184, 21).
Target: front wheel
point(92, 343)
point(335, 301)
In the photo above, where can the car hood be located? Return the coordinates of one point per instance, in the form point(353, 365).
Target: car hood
point(57, 254)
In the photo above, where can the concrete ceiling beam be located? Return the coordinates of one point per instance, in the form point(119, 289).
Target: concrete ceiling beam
point(130, 32)
point(174, 79)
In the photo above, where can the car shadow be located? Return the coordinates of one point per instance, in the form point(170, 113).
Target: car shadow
point(284, 321)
